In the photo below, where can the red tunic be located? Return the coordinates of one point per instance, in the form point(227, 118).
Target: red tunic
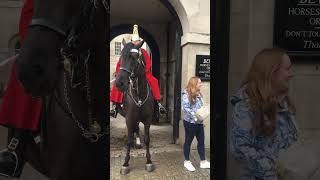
point(19, 109)
point(117, 96)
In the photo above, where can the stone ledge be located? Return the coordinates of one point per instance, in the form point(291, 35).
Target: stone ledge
point(195, 38)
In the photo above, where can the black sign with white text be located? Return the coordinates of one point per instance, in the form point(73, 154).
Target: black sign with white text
point(203, 67)
point(297, 26)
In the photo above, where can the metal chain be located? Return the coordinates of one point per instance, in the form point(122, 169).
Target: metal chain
point(132, 83)
point(91, 132)
point(73, 84)
point(104, 3)
point(67, 100)
point(137, 85)
point(88, 88)
point(93, 137)
point(106, 6)
point(139, 103)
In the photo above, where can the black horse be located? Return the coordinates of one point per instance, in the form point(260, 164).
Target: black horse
point(63, 60)
point(138, 103)
point(136, 130)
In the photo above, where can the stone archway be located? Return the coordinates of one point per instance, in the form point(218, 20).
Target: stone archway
point(149, 15)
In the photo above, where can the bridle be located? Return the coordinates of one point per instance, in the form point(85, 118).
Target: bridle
point(48, 24)
point(133, 80)
point(133, 50)
point(139, 60)
point(94, 131)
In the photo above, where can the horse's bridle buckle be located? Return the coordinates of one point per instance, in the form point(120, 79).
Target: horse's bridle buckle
point(139, 103)
point(67, 64)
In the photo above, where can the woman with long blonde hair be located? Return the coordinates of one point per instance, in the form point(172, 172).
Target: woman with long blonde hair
point(263, 120)
point(191, 103)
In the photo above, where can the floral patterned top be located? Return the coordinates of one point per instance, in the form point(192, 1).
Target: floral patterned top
point(259, 153)
point(190, 110)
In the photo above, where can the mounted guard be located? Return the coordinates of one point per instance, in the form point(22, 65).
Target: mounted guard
point(18, 110)
point(116, 96)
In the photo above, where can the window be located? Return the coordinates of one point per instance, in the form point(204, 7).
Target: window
point(117, 48)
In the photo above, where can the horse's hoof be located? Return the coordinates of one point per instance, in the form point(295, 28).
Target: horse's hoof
point(138, 146)
point(149, 167)
point(124, 170)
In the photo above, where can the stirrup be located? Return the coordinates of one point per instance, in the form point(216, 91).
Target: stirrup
point(12, 146)
point(162, 109)
point(113, 112)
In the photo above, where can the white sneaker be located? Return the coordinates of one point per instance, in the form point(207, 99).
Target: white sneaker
point(205, 164)
point(189, 166)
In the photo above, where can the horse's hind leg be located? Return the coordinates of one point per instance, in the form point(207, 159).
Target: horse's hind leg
point(125, 167)
point(149, 165)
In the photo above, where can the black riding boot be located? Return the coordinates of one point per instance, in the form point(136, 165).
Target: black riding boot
point(11, 158)
point(114, 110)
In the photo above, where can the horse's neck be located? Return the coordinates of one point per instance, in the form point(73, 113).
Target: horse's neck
point(141, 85)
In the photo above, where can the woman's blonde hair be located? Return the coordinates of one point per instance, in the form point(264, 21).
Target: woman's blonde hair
point(192, 89)
point(259, 89)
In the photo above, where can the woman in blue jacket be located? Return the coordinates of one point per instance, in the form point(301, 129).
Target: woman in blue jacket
point(191, 103)
point(263, 120)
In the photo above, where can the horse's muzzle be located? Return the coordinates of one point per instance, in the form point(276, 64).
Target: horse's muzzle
point(34, 80)
point(122, 84)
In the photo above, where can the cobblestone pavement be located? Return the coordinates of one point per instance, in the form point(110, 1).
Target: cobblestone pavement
point(28, 174)
point(167, 158)
point(168, 166)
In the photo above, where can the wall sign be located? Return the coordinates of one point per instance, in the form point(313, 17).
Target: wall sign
point(203, 67)
point(297, 26)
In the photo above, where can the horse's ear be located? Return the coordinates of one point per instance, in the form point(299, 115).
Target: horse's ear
point(139, 45)
point(124, 42)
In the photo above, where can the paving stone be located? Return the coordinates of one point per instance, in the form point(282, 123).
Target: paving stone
point(167, 158)
point(169, 165)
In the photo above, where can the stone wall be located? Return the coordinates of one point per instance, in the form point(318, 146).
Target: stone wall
point(10, 14)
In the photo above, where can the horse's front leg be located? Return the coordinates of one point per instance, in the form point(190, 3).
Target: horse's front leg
point(125, 167)
point(137, 131)
point(149, 165)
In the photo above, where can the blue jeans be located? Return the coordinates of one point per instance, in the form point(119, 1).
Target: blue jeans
point(192, 130)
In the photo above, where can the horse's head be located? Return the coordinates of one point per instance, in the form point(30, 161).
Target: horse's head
point(40, 59)
point(129, 61)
